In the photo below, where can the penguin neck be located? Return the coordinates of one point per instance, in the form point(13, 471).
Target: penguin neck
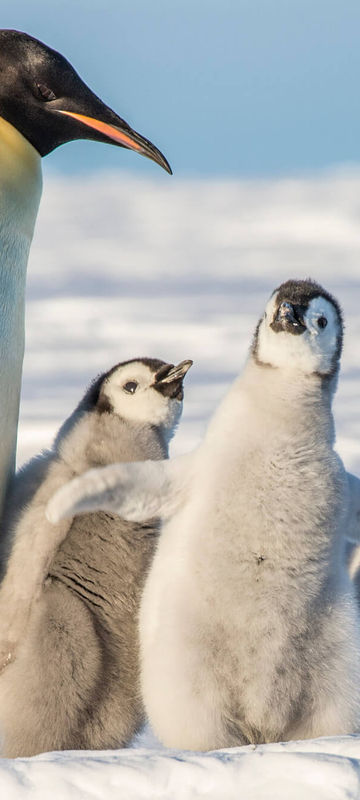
point(295, 398)
point(266, 401)
point(20, 192)
point(100, 439)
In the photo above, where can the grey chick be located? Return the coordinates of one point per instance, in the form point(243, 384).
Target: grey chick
point(70, 596)
point(249, 627)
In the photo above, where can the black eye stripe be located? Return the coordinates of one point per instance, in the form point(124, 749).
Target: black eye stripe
point(130, 387)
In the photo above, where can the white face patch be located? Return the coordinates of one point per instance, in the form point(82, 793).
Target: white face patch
point(311, 351)
point(132, 395)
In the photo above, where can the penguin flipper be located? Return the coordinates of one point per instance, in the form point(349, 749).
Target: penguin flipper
point(137, 491)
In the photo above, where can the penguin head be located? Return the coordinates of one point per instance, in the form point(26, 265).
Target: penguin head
point(144, 391)
point(45, 99)
point(301, 329)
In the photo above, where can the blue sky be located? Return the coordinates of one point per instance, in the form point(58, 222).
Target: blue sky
point(223, 87)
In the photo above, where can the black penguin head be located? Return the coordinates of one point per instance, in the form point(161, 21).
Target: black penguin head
point(301, 329)
point(45, 99)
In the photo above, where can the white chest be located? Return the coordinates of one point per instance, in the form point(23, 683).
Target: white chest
point(20, 192)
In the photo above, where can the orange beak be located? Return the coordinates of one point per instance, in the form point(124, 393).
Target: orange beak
point(125, 138)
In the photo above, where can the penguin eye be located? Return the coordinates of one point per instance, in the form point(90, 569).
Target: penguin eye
point(322, 322)
point(44, 92)
point(130, 387)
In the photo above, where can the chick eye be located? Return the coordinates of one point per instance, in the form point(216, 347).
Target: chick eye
point(322, 322)
point(130, 387)
point(44, 92)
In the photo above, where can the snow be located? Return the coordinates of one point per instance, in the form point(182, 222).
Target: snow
point(320, 769)
point(122, 267)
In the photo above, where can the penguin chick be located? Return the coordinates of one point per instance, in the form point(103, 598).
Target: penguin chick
point(70, 595)
point(248, 625)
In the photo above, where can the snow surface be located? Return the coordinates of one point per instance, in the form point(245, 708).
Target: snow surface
point(122, 267)
point(321, 769)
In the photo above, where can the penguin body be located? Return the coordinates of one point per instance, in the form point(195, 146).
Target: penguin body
point(70, 596)
point(20, 191)
point(43, 104)
point(266, 647)
point(248, 625)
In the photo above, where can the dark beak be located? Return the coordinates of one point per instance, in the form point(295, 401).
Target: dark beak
point(175, 373)
point(116, 132)
point(290, 318)
point(170, 381)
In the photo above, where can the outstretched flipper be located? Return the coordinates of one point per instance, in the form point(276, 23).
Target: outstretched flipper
point(137, 491)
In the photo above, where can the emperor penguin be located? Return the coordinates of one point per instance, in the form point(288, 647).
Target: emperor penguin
point(248, 625)
point(43, 104)
point(69, 660)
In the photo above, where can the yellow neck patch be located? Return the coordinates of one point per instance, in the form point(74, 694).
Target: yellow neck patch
point(20, 178)
point(16, 149)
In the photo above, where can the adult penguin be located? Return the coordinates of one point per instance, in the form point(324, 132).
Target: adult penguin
point(43, 104)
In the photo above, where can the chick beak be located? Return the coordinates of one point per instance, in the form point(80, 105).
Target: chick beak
point(176, 373)
point(288, 312)
point(169, 381)
point(290, 318)
point(121, 134)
